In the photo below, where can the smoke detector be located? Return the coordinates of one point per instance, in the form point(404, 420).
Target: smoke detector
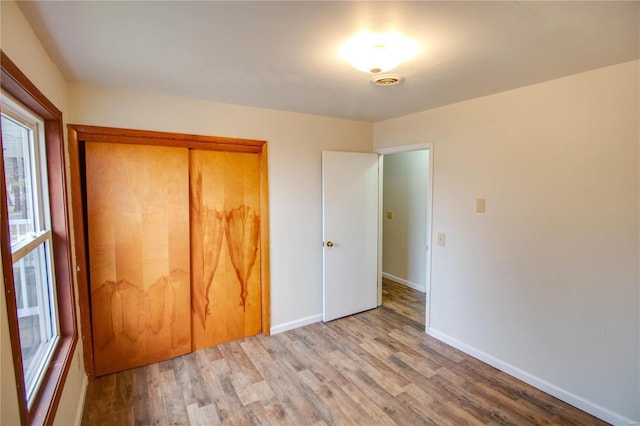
point(387, 80)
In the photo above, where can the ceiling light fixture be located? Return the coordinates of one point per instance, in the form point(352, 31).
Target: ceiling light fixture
point(375, 53)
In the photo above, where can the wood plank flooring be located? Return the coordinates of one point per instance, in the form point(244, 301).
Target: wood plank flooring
point(404, 300)
point(377, 367)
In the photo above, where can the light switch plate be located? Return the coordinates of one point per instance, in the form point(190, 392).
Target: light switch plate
point(442, 239)
point(389, 215)
point(480, 205)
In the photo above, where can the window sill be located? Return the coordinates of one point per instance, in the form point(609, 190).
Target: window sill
point(48, 397)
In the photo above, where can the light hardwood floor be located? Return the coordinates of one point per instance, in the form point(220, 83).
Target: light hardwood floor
point(377, 367)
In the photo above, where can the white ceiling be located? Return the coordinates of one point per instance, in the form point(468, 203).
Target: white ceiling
point(284, 55)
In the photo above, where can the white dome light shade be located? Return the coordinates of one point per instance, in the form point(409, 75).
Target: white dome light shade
point(374, 53)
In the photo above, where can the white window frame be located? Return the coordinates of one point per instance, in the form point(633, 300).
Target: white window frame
point(40, 237)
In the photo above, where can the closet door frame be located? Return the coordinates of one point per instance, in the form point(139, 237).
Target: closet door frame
point(79, 135)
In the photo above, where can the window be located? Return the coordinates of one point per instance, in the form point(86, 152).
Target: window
point(27, 201)
point(35, 244)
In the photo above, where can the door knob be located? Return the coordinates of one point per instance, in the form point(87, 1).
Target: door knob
point(329, 244)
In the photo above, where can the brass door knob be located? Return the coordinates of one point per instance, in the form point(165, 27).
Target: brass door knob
point(329, 244)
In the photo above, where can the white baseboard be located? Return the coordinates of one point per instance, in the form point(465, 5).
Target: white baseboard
point(295, 324)
point(413, 285)
point(83, 395)
point(543, 385)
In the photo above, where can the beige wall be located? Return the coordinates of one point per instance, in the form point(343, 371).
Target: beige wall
point(404, 239)
point(295, 143)
point(19, 42)
point(546, 283)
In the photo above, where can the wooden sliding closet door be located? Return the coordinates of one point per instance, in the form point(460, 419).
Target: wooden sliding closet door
point(138, 240)
point(225, 246)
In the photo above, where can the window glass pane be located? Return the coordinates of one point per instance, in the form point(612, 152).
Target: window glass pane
point(17, 145)
point(36, 319)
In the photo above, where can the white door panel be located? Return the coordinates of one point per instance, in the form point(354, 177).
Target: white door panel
point(350, 233)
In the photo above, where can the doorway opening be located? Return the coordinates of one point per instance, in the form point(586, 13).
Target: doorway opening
point(404, 273)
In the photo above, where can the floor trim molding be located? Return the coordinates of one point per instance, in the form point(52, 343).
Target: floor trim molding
point(562, 394)
point(295, 324)
point(410, 284)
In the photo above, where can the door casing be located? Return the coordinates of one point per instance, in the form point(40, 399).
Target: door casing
point(78, 135)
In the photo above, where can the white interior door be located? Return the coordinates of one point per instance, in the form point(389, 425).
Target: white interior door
point(349, 232)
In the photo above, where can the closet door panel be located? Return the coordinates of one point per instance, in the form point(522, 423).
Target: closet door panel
point(225, 246)
point(138, 238)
